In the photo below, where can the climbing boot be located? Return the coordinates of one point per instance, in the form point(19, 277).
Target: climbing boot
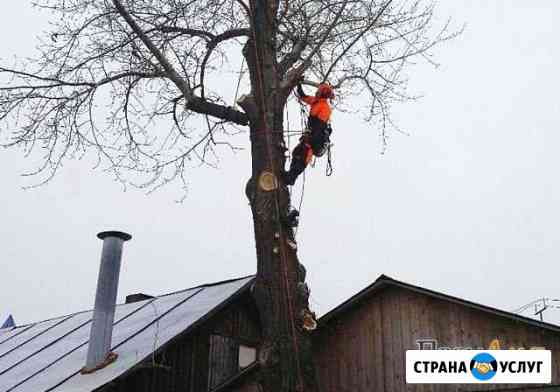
point(291, 238)
point(292, 219)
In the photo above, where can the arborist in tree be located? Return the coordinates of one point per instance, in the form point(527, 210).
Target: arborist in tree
point(315, 139)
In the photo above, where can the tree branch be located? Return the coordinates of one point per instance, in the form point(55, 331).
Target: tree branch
point(307, 62)
point(181, 83)
point(186, 31)
point(222, 112)
point(216, 40)
point(245, 7)
point(144, 54)
point(292, 57)
point(356, 39)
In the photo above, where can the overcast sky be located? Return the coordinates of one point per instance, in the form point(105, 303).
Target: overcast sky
point(467, 204)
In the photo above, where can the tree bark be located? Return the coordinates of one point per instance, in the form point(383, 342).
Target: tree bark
point(280, 292)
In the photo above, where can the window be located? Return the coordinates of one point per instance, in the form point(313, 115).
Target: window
point(226, 358)
point(247, 355)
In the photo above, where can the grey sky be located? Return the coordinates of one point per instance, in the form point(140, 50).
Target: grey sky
point(467, 204)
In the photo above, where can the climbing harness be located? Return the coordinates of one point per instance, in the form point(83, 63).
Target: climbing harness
point(314, 140)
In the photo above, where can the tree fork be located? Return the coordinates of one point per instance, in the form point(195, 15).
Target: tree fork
point(280, 292)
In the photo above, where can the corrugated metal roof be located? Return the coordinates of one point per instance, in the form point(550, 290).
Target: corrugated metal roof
point(48, 355)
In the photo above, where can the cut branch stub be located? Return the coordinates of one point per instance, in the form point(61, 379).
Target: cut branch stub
point(268, 181)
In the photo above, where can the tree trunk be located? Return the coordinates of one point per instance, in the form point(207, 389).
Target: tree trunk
point(281, 295)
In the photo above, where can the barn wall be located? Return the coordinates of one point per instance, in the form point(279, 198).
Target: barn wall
point(364, 349)
point(236, 325)
point(183, 365)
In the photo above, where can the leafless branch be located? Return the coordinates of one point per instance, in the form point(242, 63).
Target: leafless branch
point(139, 86)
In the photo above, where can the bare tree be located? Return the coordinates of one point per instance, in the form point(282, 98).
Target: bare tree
point(134, 80)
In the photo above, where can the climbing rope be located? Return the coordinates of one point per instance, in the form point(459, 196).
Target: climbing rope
point(288, 137)
point(282, 249)
point(303, 125)
point(289, 128)
point(239, 81)
point(300, 202)
point(329, 169)
point(289, 133)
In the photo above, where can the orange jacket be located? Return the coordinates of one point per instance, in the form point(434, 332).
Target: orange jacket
point(320, 107)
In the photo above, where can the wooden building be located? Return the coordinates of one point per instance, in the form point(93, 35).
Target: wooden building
point(206, 339)
point(361, 344)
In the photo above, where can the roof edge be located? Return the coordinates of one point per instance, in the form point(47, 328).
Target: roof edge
point(383, 281)
point(212, 312)
point(204, 285)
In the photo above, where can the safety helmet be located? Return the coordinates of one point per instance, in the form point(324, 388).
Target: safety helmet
point(325, 90)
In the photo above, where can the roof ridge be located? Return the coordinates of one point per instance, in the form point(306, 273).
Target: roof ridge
point(124, 303)
point(204, 285)
point(384, 280)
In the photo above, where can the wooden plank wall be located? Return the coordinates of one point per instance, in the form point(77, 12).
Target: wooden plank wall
point(364, 349)
point(223, 359)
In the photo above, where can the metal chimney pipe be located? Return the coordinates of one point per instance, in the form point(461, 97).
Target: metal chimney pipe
point(99, 354)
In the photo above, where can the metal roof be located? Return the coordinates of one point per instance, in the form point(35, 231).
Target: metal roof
point(48, 355)
point(385, 281)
